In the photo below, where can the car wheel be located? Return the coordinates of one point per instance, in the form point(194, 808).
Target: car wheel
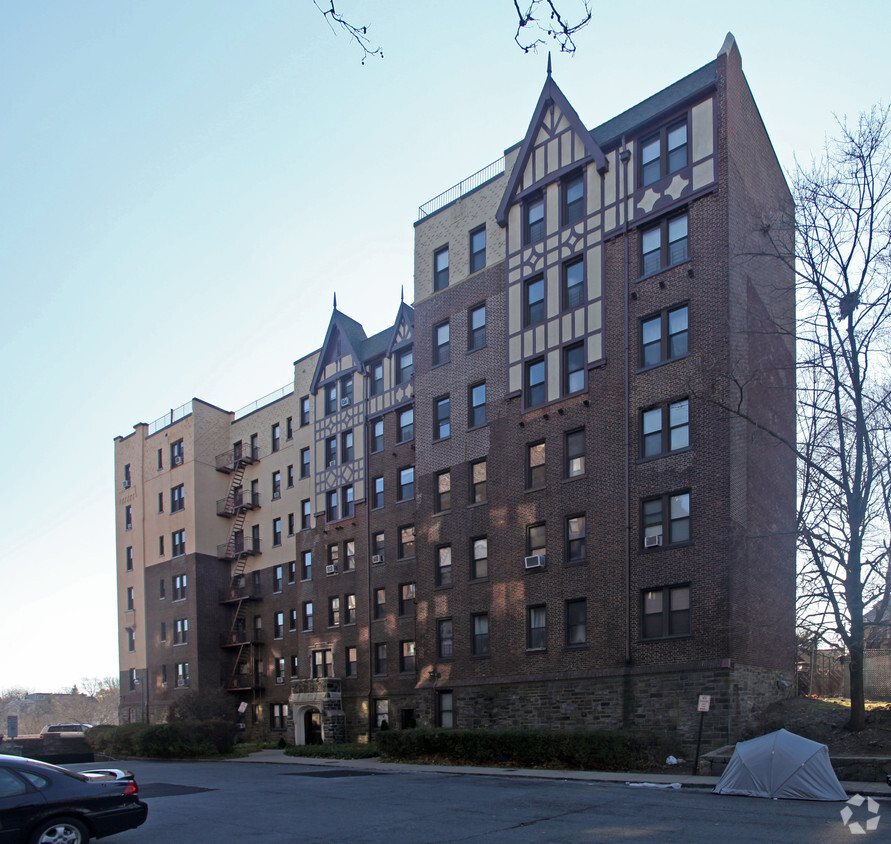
point(61, 831)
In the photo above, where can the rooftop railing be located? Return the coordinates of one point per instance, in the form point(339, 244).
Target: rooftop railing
point(496, 168)
point(174, 415)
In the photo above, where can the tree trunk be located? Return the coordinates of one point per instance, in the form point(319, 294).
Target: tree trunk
point(857, 720)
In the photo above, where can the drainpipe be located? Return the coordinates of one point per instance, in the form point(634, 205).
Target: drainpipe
point(625, 157)
point(368, 595)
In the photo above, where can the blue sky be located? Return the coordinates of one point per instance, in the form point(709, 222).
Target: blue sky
point(176, 174)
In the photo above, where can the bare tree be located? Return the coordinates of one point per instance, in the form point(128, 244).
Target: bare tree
point(842, 264)
point(539, 22)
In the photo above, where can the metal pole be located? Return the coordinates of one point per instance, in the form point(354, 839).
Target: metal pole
point(698, 744)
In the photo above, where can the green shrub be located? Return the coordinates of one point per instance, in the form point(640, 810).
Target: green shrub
point(177, 739)
point(585, 750)
point(334, 751)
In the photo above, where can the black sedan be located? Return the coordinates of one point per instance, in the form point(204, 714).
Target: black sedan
point(45, 804)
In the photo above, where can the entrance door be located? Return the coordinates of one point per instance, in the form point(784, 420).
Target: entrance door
point(312, 727)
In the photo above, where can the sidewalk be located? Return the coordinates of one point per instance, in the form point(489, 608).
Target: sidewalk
point(685, 779)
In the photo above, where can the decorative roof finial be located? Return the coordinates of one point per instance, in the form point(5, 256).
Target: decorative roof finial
point(549, 62)
point(335, 300)
point(401, 293)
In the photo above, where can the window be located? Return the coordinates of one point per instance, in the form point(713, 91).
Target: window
point(445, 642)
point(128, 517)
point(277, 578)
point(407, 656)
point(536, 628)
point(278, 625)
point(322, 665)
point(276, 532)
point(330, 391)
point(673, 509)
point(161, 546)
point(307, 616)
point(377, 546)
point(575, 453)
point(573, 198)
point(377, 435)
point(305, 515)
point(182, 674)
point(292, 620)
point(304, 411)
point(380, 658)
point(573, 284)
point(128, 558)
point(177, 453)
point(536, 539)
point(478, 474)
point(132, 673)
point(306, 566)
point(575, 539)
point(665, 429)
point(666, 612)
point(295, 665)
point(444, 565)
point(535, 382)
point(476, 328)
point(352, 662)
point(347, 501)
point(276, 436)
point(178, 538)
point(380, 602)
point(441, 268)
point(304, 462)
point(331, 451)
point(334, 555)
point(376, 387)
point(405, 366)
point(289, 428)
point(405, 489)
point(442, 496)
point(406, 541)
point(181, 631)
point(162, 589)
point(334, 611)
point(331, 509)
point(533, 301)
point(255, 537)
point(127, 478)
point(129, 597)
point(349, 609)
point(535, 465)
point(576, 621)
point(441, 344)
point(533, 218)
point(289, 475)
point(445, 714)
point(664, 336)
point(276, 485)
point(479, 643)
point(351, 658)
point(478, 249)
point(479, 558)
point(664, 244)
point(278, 712)
point(476, 405)
point(406, 599)
point(349, 555)
point(346, 390)
point(377, 493)
point(442, 427)
point(663, 153)
point(290, 524)
point(255, 446)
point(574, 368)
point(382, 713)
point(160, 502)
point(163, 634)
point(405, 420)
point(177, 498)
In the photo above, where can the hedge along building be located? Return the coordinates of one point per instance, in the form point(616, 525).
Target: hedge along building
point(522, 512)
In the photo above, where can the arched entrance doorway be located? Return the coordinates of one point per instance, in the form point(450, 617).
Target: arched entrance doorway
point(312, 726)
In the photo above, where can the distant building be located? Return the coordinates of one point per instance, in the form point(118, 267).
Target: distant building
point(516, 505)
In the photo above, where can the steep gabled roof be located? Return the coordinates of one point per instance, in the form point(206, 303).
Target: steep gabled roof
point(551, 95)
point(403, 326)
point(353, 335)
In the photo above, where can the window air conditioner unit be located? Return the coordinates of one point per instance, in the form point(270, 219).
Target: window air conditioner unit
point(331, 569)
point(180, 682)
point(332, 463)
point(377, 559)
point(279, 680)
point(177, 461)
point(126, 484)
point(536, 561)
point(344, 402)
point(652, 541)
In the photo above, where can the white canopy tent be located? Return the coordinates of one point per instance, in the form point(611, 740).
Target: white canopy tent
point(781, 764)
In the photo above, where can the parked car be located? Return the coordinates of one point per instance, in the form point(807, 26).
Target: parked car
point(45, 804)
point(65, 728)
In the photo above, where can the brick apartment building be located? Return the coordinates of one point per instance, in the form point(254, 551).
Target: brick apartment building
point(519, 504)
